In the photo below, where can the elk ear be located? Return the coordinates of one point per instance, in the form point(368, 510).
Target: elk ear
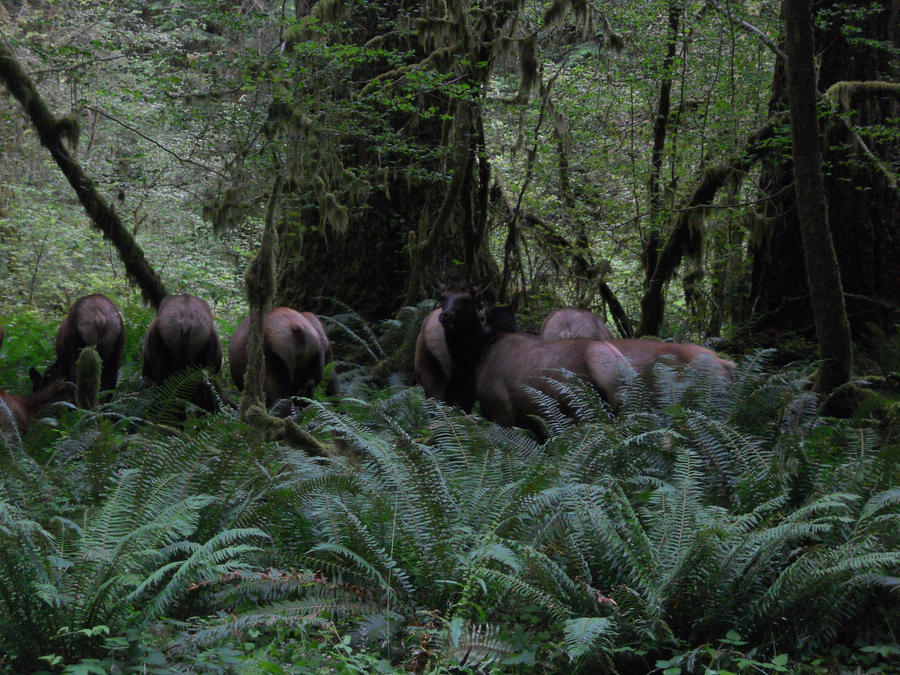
point(36, 379)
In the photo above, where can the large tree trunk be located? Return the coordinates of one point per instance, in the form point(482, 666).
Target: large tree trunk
point(863, 200)
point(823, 276)
point(366, 268)
point(417, 227)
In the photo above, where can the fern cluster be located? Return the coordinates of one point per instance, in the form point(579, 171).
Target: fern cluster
point(687, 516)
point(701, 513)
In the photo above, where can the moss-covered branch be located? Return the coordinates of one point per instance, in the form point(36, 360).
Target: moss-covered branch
point(53, 132)
point(284, 429)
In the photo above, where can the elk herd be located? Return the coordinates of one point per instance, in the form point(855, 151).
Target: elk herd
point(464, 354)
point(463, 358)
point(295, 347)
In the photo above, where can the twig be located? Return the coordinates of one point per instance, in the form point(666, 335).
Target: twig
point(750, 28)
point(156, 143)
point(861, 144)
point(82, 64)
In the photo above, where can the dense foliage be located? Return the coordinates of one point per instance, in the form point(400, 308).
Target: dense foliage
point(704, 526)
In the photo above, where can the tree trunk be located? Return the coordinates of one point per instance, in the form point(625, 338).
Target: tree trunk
point(652, 313)
point(260, 283)
point(863, 201)
point(418, 226)
point(823, 275)
point(685, 237)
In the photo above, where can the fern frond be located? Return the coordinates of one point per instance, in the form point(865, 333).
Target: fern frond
point(586, 634)
point(313, 612)
point(359, 564)
point(480, 645)
point(221, 553)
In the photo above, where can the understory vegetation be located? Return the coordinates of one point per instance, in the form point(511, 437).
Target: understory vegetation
point(703, 529)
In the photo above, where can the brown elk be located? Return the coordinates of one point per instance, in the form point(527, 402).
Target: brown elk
point(181, 336)
point(502, 365)
point(434, 367)
point(92, 321)
point(517, 361)
point(641, 354)
point(498, 366)
point(296, 350)
point(574, 323)
point(23, 409)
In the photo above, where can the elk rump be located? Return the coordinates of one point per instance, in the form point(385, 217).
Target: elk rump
point(296, 350)
point(92, 321)
point(181, 336)
point(574, 323)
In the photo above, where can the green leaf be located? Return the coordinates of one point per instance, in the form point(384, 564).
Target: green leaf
point(456, 629)
point(780, 660)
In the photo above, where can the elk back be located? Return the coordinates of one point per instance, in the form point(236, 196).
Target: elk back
point(574, 323)
point(641, 354)
point(296, 350)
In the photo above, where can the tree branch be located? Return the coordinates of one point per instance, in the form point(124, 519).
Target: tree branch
point(51, 132)
point(154, 142)
point(749, 27)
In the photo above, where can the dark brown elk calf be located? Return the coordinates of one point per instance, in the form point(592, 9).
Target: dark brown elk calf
point(433, 365)
point(23, 409)
point(92, 321)
point(574, 323)
point(296, 350)
point(181, 336)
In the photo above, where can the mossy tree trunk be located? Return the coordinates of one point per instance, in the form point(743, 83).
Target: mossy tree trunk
point(422, 222)
point(860, 188)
